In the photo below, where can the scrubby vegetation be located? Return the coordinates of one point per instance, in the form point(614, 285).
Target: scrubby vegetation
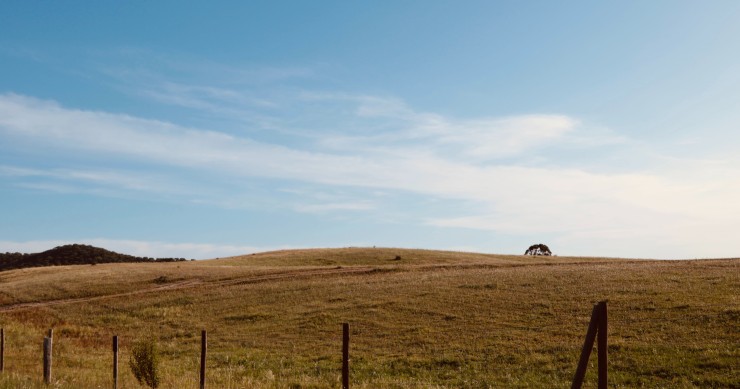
point(144, 362)
point(73, 254)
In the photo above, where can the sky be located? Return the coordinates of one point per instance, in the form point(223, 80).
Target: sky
point(209, 129)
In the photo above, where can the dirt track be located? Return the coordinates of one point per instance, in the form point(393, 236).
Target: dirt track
point(274, 276)
point(289, 274)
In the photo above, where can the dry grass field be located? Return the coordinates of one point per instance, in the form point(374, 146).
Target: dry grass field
point(420, 319)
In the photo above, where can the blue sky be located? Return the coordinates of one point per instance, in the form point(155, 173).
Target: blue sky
point(207, 130)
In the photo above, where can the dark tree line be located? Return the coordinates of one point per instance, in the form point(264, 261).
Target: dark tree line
point(73, 254)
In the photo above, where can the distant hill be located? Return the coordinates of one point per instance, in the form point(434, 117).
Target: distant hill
point(72, 254)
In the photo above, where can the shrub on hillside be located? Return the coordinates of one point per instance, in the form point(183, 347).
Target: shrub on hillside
point(144, 362)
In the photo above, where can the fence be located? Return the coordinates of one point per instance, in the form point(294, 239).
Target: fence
point(596, 333)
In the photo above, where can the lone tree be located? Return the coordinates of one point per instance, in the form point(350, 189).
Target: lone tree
point(538, 249)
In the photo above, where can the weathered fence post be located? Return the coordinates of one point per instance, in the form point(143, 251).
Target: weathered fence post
point(2, 349)
point(51, 333)
point(345, 355)
point(602, 346)
point(586, 351)
point(47, 360)
point(115, 362)
point(203, 348)
point(597, 326)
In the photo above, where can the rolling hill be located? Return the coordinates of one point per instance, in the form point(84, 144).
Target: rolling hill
point(419, 319)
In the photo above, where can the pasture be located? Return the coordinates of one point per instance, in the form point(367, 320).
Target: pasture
point(420, 319)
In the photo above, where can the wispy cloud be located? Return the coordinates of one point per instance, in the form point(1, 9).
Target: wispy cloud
point(245, 95)
point(134, 64)
point(111, 182)
point(477, 161)
point(330, 207)
point(393, 125)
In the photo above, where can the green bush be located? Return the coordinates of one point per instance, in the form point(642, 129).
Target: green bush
point(144, 362)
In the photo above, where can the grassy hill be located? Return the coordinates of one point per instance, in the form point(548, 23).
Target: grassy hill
point(420, 319)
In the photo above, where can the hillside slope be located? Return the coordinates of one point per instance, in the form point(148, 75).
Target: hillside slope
point(372, 256)
point(427, 320)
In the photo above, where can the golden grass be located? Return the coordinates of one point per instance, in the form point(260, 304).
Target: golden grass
point(427, 320)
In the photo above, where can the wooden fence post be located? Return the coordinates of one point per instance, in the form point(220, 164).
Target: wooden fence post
point(47, 360)
point(51, 333)
point(597, 326)
point(345, 355)
point(602, 346)
point(587, 346)
point(2, 349)
point(203, 348)
point(115, 362)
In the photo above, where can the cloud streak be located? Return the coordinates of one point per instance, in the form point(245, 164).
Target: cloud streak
point(477, 161)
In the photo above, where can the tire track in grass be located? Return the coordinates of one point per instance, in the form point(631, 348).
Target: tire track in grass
point(291, 274)
point(277, 276)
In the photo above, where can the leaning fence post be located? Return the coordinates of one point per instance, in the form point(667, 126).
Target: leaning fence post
point(2, 349)
point(587, 346)
point(203, 348)
point(47, 360)
point(602, 346)
point(345, 355)
point(115, 362)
